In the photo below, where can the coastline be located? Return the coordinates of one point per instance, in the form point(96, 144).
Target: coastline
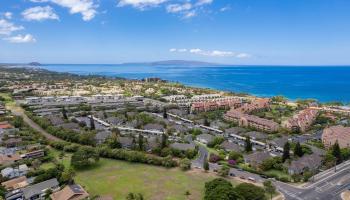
point(321, 83)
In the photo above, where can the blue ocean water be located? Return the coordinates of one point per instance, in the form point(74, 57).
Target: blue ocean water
point(326, 83)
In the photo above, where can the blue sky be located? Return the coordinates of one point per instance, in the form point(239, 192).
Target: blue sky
point(264, 32)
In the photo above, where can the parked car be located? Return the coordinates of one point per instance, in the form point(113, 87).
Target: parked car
point(263, 176)
point(232, 174)
point(251, 179)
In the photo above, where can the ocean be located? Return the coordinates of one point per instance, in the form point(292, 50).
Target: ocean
point(324, 83)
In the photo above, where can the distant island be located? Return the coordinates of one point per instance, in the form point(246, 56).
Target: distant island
point(34, 64)
point(174, 62)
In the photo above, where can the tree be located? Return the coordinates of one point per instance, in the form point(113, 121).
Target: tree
point(206, 122)
point(206, 165)
point(68, 176)
point(18, 122)
point(278, 99)
point(298, 150)
point(47, 193)
point(248, 145)
point(3, 191)
point(336, 152)
point(92, 123)
point(234, 155)
point(36, 164)
point(132, 196)
point(286, 149)
point(113, 141)
point(64, 113)
point(165, 114)
point(164, 141)
point(250, 191)
point(185, 164)
point(223, 171)
point(269, 187)
point(141, 143)
point(84, 157)
point(220, 188)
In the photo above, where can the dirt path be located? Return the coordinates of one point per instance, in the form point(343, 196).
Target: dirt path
point(18, 111)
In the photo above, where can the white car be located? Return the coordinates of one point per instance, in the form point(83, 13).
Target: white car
point(251, 179)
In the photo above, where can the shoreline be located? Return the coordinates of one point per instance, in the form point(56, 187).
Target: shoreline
point(136, 75)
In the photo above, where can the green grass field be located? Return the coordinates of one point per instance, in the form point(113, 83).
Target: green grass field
point(118, 178)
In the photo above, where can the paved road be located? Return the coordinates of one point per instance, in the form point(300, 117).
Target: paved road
point(18, 111)
point(202, 157)
point(328, 187)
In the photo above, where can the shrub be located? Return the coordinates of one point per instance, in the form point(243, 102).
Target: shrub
point(213, 158)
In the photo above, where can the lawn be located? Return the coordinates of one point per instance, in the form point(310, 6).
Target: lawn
point(65, 160)
point(277, 173)
point(118, 178)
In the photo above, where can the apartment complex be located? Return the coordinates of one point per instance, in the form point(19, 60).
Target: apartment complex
point(215, 104)
point(301, 121)
point(242, 118)
point(247, 120)
point(334, 134)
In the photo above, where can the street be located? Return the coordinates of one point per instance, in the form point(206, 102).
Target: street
point(328, 187)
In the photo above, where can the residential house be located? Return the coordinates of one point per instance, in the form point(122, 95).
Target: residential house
point(256, 135)
point(154, 127)
point(126, 142)
point(15, 183)
point(334, 134)
point(205, 138)
point(152, 142)
point(70, 126)
point(115, 121)
point(230, 146)
point(37, 191)
point(5, 125)
point(70, 192)
point(257, 158)
point(55, 120)
point(235, 130)
point(10, 172)
point(12, 142)
point(9, 159)
point(183, 146)
point(101, 136)
point(7, 151)
point(14, 195)
point(306, 163)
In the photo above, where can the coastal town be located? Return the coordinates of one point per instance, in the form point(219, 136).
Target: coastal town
point(58, 129)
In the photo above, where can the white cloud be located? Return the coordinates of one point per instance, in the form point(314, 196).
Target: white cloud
point(140, 4)
point(8, 15)
point(21, 39)
point(87, 8)
point(243, 55)
point(214, 53)
point(187, 10)
point(190, 14)
point(203, 2)
point(39, 13)
point(6, 27)
point(178, 50)
point(226, 8)
point(175, 8)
